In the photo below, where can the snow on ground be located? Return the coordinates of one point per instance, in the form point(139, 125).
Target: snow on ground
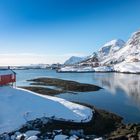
point(18, 106)
point(76, 69)
point(33, 138)
point(87, 69)
point(103, 69)
point(60, 137)
point(30, 133)
point(131, 67)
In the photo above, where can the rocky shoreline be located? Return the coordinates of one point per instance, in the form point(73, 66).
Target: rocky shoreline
point(105, 124)
point(101, 124)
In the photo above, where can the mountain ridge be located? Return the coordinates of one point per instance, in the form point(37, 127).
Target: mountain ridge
point(121, 56)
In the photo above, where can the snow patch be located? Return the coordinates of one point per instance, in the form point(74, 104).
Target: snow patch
point(76, 69)
point(131, 67)
point(60, 137)
point(104, 69)
point(19, 106)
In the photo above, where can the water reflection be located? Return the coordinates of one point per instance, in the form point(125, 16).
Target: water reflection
point(129, 83)
point(122, 96)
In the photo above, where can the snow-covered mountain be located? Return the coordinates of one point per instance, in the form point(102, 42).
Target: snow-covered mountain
point(74, 60)
point(117, 51)
point(126, 59)
point(132, 48)
point(129, 53)
point(91, 60)
point(121, 56)
point(106, 51)
point(110, 48)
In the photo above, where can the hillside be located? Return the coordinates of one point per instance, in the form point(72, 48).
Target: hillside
point(74, 60)
point(110, 48)
point(130, 51)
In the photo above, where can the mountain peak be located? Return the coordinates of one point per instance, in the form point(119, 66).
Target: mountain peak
point(134, 39)
point(73, 60)
point(114, 42)
point(110, 48)
point(129, 52)
point(136, 33)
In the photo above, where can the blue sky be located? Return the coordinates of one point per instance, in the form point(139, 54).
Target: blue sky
point(47, 31)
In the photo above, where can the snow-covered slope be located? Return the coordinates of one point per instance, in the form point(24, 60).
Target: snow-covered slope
point(106, 51)
point(110, 48)
point(127, 59)
point(18, 106)
point(128, 67)
point(130, 52)
point(74, 60)
point(104, 69)
point(131, 49)
point(118, 55)
point(76, 69)
point(97, 59)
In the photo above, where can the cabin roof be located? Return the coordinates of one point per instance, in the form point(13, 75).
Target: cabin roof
point(6, 72)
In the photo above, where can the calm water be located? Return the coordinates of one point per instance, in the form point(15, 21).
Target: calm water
point(121, 93)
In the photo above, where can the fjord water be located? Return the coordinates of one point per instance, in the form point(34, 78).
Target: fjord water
point(120, 93)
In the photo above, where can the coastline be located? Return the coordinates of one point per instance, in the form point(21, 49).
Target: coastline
point(105, 123)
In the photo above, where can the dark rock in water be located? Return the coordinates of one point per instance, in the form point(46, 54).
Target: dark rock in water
point(43, 90)
point(65, 85)
point(59, 86)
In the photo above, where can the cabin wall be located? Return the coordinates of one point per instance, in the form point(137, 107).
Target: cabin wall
point(6, 79)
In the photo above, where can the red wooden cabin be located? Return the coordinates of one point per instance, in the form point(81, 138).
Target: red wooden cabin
point(7, 76)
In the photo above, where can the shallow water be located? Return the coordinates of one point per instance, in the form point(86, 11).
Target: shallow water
point(121, 93)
